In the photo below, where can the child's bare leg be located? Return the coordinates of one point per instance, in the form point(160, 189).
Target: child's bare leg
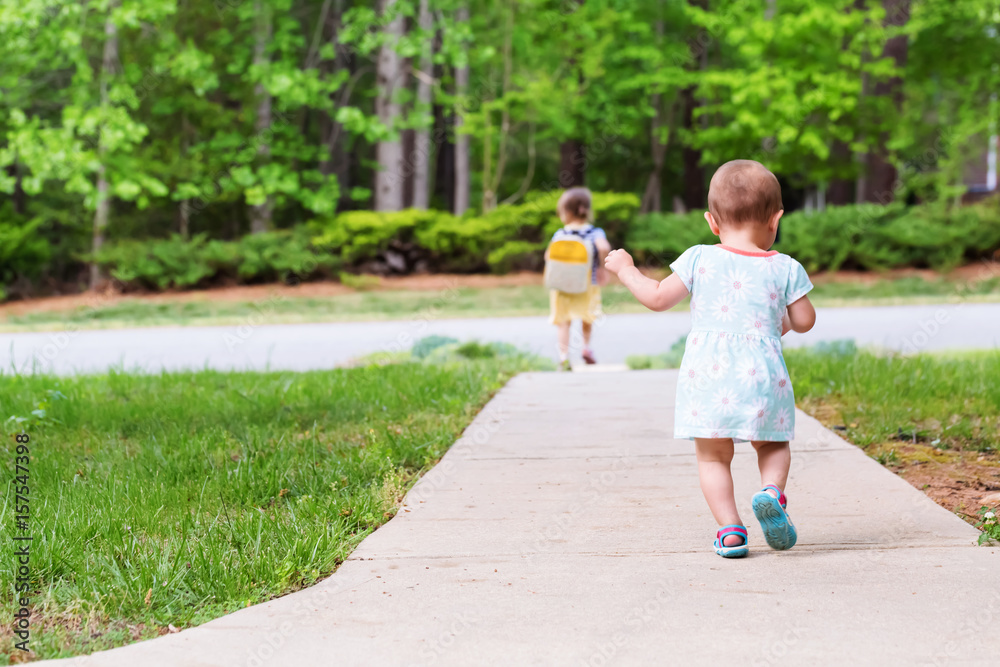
point(773, 459)
point(715, 456)
point(562, 338)
point(587, 329)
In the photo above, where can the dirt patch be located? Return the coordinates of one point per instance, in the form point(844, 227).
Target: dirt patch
point(959, 481)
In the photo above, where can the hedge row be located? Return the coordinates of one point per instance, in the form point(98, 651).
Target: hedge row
point(866, 236)
point(506, 238)
point(512, 237)
point(183, 263)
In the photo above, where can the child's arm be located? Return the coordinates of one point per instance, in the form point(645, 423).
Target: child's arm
point(801, 316)
point(658, 296)
point(603, 248)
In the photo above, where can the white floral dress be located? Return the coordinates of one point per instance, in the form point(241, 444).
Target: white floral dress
point(733, 379)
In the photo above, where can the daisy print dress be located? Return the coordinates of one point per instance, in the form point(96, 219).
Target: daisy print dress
point(733, 379)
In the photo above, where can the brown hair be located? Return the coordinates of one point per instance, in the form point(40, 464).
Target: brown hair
point(575, 203)
point(743, 191)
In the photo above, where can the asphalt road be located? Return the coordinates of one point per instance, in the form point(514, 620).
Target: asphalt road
point(259, 346)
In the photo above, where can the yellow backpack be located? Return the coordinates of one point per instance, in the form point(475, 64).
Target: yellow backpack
point(570, 261)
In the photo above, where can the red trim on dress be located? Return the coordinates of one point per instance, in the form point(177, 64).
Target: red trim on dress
point(747, 253)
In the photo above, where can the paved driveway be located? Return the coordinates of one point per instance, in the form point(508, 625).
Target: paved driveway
point(315, 346)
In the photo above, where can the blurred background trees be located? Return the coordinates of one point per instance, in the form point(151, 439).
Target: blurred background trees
point(141, 119)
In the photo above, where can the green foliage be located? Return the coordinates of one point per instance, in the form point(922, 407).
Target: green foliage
point(175, 131)
point(670, 359)
point(423, 347)
point(473, 350)
point(952, 399)
point(657, 239)
point(23, 251)
point(506, 237)
point(184, 263)
point(988, 524)
point(866, 236)
point(877, 238)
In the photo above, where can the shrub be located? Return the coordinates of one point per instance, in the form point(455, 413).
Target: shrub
point(183, 263)
point(875, 237)
point(864, 236)
point(23, 252)
point(658, 239)
point(505, 238)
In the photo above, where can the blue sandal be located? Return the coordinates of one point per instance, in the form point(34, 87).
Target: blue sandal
point(770, 512)
point(737, 551)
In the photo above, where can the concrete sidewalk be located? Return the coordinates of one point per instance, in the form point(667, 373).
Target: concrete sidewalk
point(566, 528)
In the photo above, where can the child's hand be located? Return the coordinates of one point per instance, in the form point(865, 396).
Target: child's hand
point(617, 260)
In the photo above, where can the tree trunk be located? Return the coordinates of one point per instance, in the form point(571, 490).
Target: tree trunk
point(880, 182)
point(18, 196)
point(462, 194)
point(389, 152)
point(572, 163)
point(840, 192)
point(444, 152)
point(652, 198)
point(103, 209)
point(184, 210)
point(694, 174)
point(260, 214)
point(422, 138)
point(337, 161)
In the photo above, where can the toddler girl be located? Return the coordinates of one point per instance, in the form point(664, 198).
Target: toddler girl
point(733, 381)
point(574, 209)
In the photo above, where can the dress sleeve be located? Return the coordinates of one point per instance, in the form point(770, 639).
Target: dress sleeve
point(798, 282)
point(684, 266)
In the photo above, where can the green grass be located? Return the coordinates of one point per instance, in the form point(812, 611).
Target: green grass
point(908, 290)
point(944, 400)
point(176, 498)
point(455, 303)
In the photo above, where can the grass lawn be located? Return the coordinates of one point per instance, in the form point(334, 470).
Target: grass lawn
point(933, 419)
point(173, 499)
point(206, 308)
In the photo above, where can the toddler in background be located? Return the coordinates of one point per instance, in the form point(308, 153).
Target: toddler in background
point(574, 208)
point(733, 383)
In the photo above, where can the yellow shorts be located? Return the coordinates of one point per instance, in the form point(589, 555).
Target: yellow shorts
point(585, 306)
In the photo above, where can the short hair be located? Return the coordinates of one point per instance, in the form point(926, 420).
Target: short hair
point(743, 191)
point(576, 203)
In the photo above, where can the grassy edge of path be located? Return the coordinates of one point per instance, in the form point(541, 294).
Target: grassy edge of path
point(171, 499)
